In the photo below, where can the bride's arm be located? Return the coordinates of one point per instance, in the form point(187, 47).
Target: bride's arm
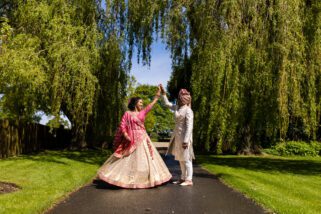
point(123, 126)
point(157, 95)
point(150, 105)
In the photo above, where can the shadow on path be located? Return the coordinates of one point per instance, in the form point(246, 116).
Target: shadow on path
point(208, 195)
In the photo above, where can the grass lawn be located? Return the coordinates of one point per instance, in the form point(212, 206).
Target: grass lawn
point(282, 185)
point(46, 177)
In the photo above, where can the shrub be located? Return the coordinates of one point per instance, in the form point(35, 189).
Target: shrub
point(317, 146)
point(271, 151)
point(298, 148)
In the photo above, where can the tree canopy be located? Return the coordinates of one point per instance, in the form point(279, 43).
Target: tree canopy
point(160, 119)
point(253, 66)
point(56, 57)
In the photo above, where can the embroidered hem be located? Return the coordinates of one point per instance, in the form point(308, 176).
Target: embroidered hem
point(132, 186)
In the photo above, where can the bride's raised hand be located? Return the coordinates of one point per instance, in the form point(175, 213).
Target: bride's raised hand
point(158, 92)
point(157, 95)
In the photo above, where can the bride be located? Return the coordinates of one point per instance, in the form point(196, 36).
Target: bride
point(135, 163)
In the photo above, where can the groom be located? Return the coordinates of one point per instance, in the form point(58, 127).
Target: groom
point(181, 144)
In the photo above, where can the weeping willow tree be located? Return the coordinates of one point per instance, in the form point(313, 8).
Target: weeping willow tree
point(250, 73)
point(253, 66)
point(57, 57)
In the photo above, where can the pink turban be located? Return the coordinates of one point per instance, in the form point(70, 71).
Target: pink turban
point(185, 97)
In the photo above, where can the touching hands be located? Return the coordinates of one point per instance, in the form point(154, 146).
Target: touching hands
point(162, 89)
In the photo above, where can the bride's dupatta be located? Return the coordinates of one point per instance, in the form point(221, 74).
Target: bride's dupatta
point(129, 122)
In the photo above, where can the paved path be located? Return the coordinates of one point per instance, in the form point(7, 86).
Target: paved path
point(208, 195)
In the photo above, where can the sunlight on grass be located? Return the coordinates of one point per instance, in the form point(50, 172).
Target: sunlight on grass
point(45, 178)
point(283, 185)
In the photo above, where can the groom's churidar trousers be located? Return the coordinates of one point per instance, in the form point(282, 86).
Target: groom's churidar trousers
point(187, 170)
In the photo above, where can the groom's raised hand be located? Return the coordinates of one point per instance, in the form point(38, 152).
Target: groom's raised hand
point(162, 89)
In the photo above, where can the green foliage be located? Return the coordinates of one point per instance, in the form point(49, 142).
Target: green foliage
point(316, 145)
point(56, 122)
point(298, 148)
point(180, 78)
point(56, 57)
point(160, 118)
point(22, 78)
point(287, 185)
point(110, 93)
point(253, 67)
point(255, 71)
point(46, 178)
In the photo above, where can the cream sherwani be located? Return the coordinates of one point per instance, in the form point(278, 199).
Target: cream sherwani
point(183, 132)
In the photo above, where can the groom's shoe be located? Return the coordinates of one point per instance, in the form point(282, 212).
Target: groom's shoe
point(187, 183)
point(179, 181)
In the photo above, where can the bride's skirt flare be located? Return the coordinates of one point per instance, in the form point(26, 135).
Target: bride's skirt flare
point(143, 168)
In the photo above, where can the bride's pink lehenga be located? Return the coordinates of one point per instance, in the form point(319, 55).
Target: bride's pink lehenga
point(135, 163)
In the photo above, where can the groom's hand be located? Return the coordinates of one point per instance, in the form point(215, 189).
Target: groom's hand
point(185, 145)
point(162, 89)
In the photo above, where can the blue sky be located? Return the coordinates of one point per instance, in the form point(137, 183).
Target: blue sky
point(159, 70)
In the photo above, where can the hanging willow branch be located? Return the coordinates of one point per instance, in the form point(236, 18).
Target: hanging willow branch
point(253, 66)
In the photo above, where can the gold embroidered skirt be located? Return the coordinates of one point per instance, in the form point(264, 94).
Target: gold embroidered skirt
point(144, 168)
